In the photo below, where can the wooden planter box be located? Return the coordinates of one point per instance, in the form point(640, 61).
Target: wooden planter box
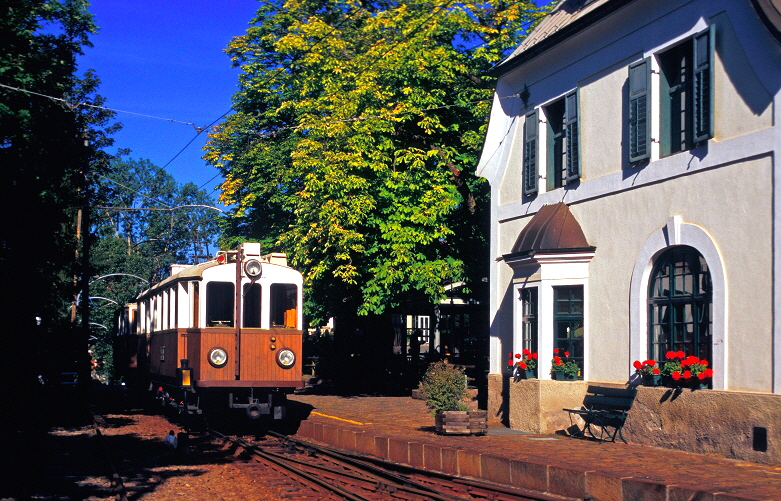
point(461, 422)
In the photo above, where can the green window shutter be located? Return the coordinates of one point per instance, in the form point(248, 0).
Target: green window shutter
point(639, 105)
point(704, 43)
point(572, 135)
point(530, 172)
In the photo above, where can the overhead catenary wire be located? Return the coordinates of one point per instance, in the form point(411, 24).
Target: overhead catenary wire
point(71, 104)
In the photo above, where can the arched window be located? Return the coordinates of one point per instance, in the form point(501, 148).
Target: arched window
point(680, 305)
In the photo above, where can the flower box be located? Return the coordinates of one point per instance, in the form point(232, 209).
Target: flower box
point(563, 368)
point(648, 372)
point(689, 372)
point(527, 374)
point(525, 366)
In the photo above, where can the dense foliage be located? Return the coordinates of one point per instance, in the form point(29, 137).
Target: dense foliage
point(52, 130)
point(355, 139)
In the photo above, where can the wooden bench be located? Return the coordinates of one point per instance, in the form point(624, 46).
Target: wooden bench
point(605, 407)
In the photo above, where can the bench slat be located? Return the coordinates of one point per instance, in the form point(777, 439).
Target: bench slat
point(610, 392)
point(608, 402)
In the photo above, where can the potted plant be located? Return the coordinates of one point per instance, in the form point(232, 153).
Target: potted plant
point(525, 366)
point(648, 372)
point(444, 389)
point(688, 371)
point(562, 368)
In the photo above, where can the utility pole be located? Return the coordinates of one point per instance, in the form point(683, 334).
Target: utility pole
point(74, 304)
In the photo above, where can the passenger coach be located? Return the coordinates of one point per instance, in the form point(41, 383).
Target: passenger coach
point(222, 334)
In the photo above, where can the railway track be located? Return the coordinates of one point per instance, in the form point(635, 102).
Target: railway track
point(334, 474)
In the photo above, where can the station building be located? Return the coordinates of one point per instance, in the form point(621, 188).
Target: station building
point(636, 210)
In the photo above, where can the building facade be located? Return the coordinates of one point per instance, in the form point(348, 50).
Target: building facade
point(635, 211)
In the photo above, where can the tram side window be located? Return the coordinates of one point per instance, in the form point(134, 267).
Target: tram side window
point(219, 304)
point(284, 299)
point(251, 305)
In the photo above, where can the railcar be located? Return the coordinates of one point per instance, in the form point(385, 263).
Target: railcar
point(224, 334)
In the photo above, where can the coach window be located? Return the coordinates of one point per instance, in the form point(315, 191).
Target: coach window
point(251, 305)
point(284, 305)
point(219, 304)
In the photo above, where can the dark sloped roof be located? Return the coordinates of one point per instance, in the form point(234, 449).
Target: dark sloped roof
point(566, 19)
point(552, 229)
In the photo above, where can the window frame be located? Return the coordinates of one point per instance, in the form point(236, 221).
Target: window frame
point(640, 110)
point(529, 297)
point(570, 343)
point(530, 153)
point(687, 104)
point(252, 302)
point(277, 309)
point(700, 300)
point(563, 140)
point(220, 300)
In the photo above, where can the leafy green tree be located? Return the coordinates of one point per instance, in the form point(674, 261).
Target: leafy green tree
point(148, 222)
point(52, 130)
point(354, 142)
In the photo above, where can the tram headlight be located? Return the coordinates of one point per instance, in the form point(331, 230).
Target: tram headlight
point(218, 357)
point(252, 268)
point(286, 358)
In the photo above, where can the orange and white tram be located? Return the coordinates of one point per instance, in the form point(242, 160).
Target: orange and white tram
point(226, 333)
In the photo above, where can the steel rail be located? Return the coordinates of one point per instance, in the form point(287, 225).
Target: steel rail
point(285, 464)
point(401, 481)
point(492, 489)
point(377, 478)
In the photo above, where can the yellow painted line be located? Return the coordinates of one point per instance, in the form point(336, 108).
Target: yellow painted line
point(338, 418)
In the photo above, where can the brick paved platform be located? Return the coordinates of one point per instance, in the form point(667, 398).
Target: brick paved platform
point(400, 429)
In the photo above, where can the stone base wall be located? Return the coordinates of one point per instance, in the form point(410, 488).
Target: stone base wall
point(734, 424)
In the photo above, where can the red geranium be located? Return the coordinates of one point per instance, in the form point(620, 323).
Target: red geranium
point(525, 361)
point(646, 367)
point(564, 364)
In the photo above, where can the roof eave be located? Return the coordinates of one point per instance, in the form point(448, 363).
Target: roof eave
point(557, 37)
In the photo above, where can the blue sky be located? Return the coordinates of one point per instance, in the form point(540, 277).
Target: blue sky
point(165, 58)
